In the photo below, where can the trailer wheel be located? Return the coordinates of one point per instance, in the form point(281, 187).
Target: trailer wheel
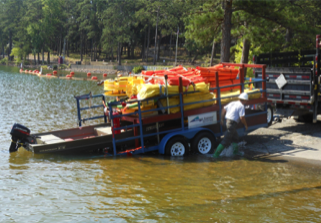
point(203, 142)
point(176, 146)
point(269, 115)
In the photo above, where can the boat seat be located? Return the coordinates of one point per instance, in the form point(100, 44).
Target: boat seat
point(102, 131)
point(50, 138)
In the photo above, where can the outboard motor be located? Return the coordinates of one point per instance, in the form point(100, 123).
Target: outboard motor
point(20, 135)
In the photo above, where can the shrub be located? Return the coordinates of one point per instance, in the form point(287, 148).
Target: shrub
point(4, 61)
point(138, 69)
point(26, 62)
point(55, 67)
point(63, 66)
point(18, 61)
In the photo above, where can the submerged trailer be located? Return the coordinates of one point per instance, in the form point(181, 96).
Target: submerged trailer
point(293, 82)
point(134, 133)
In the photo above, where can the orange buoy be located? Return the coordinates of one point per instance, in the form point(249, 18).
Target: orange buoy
point(88, 74)
point(69, 76)
point(94, 78)
point(48, 74)
point(54, 72)
point(21, 70)
point(72, 73)
point(104, 75)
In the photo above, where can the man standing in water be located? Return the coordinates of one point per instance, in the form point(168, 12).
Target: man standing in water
point(235, 112)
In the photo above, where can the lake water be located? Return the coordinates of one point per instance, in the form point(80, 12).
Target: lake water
point(146, 188)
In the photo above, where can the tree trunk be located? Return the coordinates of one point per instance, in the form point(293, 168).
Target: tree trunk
point(81, 47)
point(59, 51)
point(43, 55)
point(34, 58)
point(158, 47)
point(38, 58)
point(128, 52)
point(170, 47)
point(119, 54)
point(95, 52)
point(67, 48)
point(91, 50)
point(132, 51)
point(245, 52)
point(143, 48)
point(288, 38)
point(212, 54)
point(193, 61)
point(112, 54)
point(154, 61)
point(147, 46)
point(99, 51)
point(10, 46)
point(226, 32)
point(48, 58)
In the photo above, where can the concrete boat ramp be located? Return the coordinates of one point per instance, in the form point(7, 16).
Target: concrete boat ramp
point(288, 139)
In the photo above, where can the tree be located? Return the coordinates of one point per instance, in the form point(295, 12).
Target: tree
point(164, 15)
point(118, 20)
point(10, 16)
point(271, 25)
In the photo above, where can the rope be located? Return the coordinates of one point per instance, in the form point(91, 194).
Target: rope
point(17, 142)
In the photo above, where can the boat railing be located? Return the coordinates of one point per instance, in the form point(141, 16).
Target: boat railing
point(89, 96)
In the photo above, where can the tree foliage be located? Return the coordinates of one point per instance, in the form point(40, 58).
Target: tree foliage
point(111, 26)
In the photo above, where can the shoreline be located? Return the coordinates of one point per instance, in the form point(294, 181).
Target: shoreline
point(81, 70)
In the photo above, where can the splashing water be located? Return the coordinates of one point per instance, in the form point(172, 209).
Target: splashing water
point(228, 152)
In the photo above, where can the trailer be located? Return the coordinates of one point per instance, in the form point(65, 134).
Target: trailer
point(174, 134)
point(293, 83)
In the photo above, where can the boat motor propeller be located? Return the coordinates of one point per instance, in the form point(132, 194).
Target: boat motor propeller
point(20, 135)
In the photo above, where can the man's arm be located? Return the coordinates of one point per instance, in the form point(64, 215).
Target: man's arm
point(244, 122)
point(223, 116)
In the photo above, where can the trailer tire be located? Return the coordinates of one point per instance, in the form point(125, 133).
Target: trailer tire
point(269, 115)
point(203, 143)
point(176, 146)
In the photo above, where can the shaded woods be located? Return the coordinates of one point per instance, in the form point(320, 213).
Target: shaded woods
point(116, 29)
